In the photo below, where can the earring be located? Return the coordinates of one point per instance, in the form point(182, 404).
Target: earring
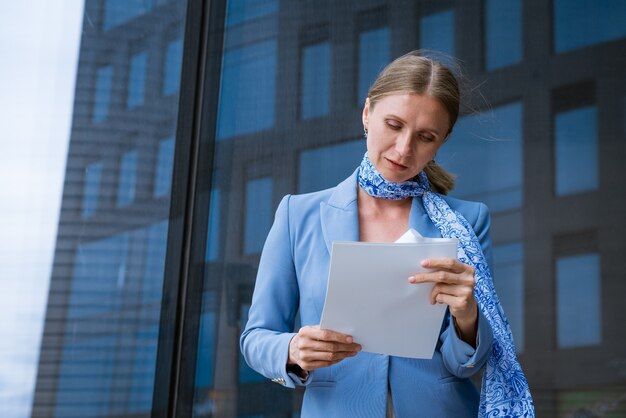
point(365, 132)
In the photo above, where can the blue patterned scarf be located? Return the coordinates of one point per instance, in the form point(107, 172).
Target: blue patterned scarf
point(505, 391)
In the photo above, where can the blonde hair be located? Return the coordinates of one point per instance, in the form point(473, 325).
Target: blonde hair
point(415, 73)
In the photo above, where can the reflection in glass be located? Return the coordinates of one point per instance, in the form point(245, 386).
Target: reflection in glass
point(92, 328)
point(212, 249)
point(172, 66)
point(207, 340)
point(104, 306)
point(164, 165)
point(508, 272)
point(503, 30)
point(578, 300)
point(149, 307)
point(321, 168)
point(248, 91)
point(80, 397)
point(111, 287)
point(576, 150)
point(315, 87)
point(204, 402)
point(102, 93)
point(127, 178)
point(99, 273)
point(117, 12)
point(240, 11)
point(91, 189)
point(246, 374)
point(605, 402)
point(374, 54)
point(143, 361)
point(137, 79)
point(581, 23)
point(493, 142)
point(259, 214)
point(437, 32)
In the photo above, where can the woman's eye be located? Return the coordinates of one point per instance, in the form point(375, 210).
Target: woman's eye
point(393, 125)
point(426, 138)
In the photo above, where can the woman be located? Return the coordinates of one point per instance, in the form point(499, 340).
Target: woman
point(409, 113)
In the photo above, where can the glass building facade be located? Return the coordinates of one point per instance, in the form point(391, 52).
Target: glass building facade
point(193, 119)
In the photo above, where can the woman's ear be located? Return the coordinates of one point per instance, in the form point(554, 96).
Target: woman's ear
point(366, 111)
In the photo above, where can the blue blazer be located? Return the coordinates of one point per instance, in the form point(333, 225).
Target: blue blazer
point(292, 278)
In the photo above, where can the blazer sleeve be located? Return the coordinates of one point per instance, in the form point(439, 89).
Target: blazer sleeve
point(460, 358)
point(265, 340)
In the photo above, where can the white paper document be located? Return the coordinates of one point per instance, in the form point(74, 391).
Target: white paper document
point(369, 295)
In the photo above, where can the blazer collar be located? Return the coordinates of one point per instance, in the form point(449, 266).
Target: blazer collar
point(340, 215)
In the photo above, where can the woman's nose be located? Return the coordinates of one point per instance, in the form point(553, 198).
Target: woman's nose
point(403, 144)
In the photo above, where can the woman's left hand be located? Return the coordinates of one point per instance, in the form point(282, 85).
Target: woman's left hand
point(454, 285)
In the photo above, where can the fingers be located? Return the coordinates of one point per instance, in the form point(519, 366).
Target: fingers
point(447, 263)
point(462, 294)
point(459, 299)
point(446, 270)
point(313, 348)
point(316, 333)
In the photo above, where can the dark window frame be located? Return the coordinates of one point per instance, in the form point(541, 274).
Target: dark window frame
point(190, 201)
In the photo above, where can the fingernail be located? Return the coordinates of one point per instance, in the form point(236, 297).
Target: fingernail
point(349, 340)
point(424, 262)
point(412, 279)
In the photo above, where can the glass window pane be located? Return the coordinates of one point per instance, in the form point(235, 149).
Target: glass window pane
point(578, 300)
point(246, 374)
point(583, 402)
point(207, 340)
point(581, 23)
point(503, 27)
point(143, 360)
point(117, 12)
point(248, 90)
point(172, 66)
point(490, 141)
point(212, 249)
point(127, 181)
point(92, 319)
point(101, 273)
point(82, 397)
point(576, 151)
point(98, 274)
point(508, 272)
point(315, 89)
point(240, 11)
point(437, 32)
point(93, 177)
point(102, 91)
point(259, 214)
point(374, 54)
point(137, 79)
point(321, 168)
point(164, 165)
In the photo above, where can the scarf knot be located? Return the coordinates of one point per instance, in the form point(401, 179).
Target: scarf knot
point(376, 185)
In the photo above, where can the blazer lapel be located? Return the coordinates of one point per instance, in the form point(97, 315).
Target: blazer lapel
point(420, 221)
point(339, 216)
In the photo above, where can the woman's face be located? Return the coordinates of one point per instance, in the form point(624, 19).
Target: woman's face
point(405, 130)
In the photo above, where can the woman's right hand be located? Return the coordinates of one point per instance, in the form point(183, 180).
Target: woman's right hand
point(313, 348)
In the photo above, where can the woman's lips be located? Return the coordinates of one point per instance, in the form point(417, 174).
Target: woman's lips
point(396, 165)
